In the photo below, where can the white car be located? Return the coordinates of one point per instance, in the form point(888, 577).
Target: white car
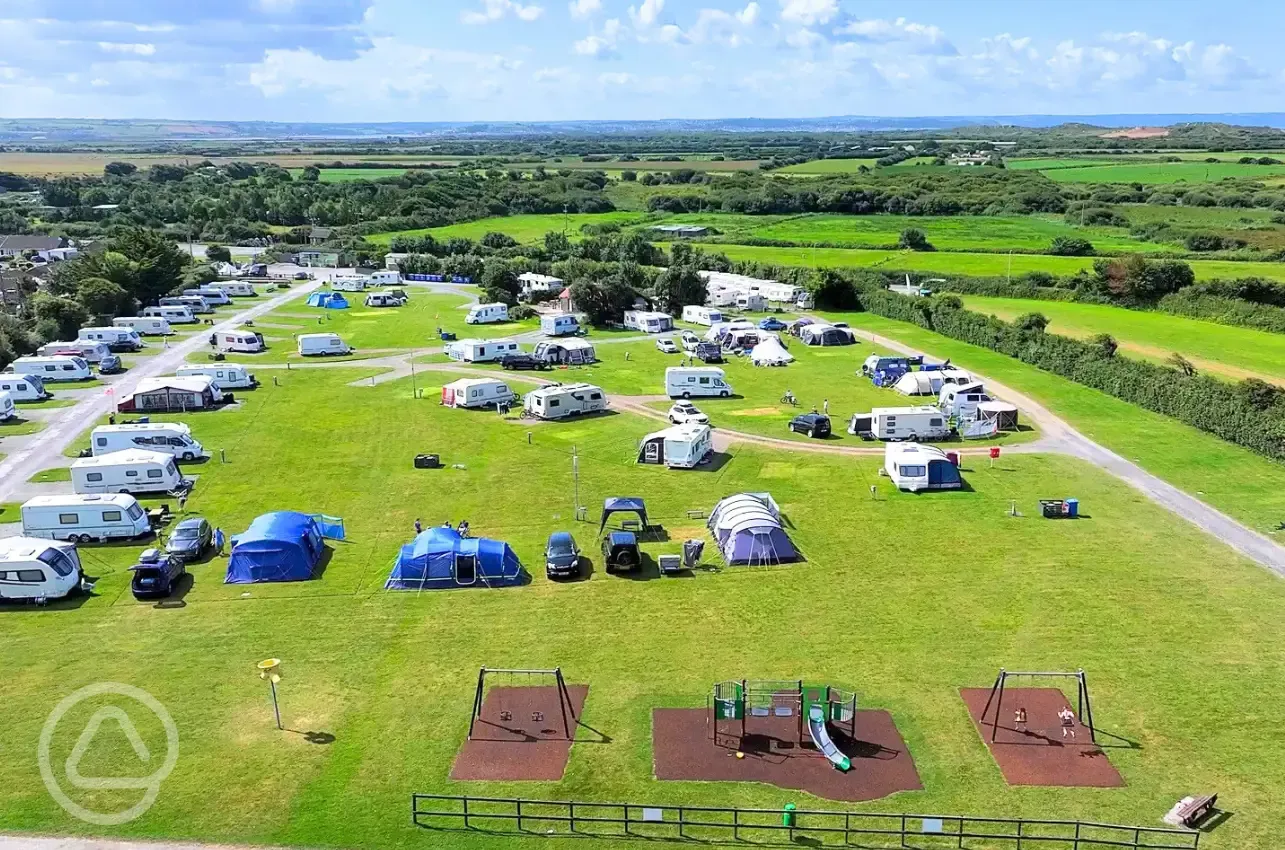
point(690, 341)
point(666, 345)
point(686, 413)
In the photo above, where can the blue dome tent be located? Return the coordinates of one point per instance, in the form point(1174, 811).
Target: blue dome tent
point(328, 300)
point(278, 546)
point(439, 558)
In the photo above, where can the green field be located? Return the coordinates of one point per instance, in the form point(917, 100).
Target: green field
point(1048, 164)
point(846, 166)
point(524, 228)
point(1164, 172)
point(345, 175)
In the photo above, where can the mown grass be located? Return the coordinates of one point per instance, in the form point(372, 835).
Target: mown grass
point(1162, 172)
point(524, 228)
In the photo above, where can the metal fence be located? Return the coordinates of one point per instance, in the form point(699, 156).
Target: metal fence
point(779, 827)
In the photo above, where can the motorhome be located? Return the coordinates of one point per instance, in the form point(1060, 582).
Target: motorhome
point(236, 288)
point(144, 325)
point(484, 314)
point(477, 392)
point(913, 467)
point(174, 314)
point(385, 278)
point(36, 569)
point(312, 345)
point(239, 340)
point(698, 315)
point(901, 423)
point(349, 283)
point(229, 376)
point(127, 471)
point(876, 363)
point(23, 387)
point(90, 352)
point(56, 368)
point(679, 447)
point(174, 438)
point(961, 400)
point(195, 303)
point(480, 350)
point(562, 400)
point(85, 518)
point(648, 322)
point(560, 324)
point(696, 381)
point(115, 338)
point(384, 299)
point(8, 410)
point(213, 295)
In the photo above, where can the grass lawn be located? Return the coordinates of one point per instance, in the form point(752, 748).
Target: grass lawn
point(524, 228)
point(19, 427)
point(48, 476)
point(345, 175)
point(1229, 352)
point(1162, 172)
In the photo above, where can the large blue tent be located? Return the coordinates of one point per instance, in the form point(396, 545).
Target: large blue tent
point(440, 558)
point(279, 546)
point(329, 300)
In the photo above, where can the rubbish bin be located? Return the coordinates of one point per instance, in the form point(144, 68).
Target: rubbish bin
point(692, 551)
point(787, 815)
point(1072, 508)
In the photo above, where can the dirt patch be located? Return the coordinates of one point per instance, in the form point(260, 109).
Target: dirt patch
point(755, 411)
point(683, 748)
point(1137, 133)
point(1038, 754)
point(520, 735)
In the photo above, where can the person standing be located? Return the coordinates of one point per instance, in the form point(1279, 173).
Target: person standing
point(825, 406)
point(1019, 720)
point(1067, 716)
point(418, 526)
point(219, 539)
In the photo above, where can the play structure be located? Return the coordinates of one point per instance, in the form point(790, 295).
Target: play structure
point(1083, 708)
point(812, 708)
point(511, 716)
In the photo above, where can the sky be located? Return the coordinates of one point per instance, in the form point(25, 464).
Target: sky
point(534, 60)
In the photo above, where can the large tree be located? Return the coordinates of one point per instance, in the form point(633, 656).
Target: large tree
point(103, 297)
point(57, 318)
point(678, 286)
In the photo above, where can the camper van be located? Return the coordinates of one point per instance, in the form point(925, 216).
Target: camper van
point(115, 338)
point(7, 408)
point(804, 301)
point(238, 340)
point(961, 400)
point(194, 303)
point(481, 350)
point(913, 467)
point(236, 288)
point(385, 278)
point(55, 368)
point(126, 471)
point(484, 314)
point(876, 363)
point(229, 376)
point(901, 423)
point(349, 283)
point(175, 315)
point(679, 447)
point(144, 325)
point(701, 315)
point(90, 352)
point(561, 324)
point(384, 299)
point(82, 519)
point(696, 381)
point(476, 392)
point(23, 387)
point(562, 400)
point(38, 570)
point(648, 322)
point(213, 295)
point(312, 345)
point(174, 438)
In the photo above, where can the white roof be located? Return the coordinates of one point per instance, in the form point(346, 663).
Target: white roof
point(189, 383)
point(900, 411)
point(319, 336)
point(471, 341)
point(111, 329)
point(485, 306)
point(27, 548)
point(553, 389)
point(686, 432)
point(569, 343)
point(959, 376)
point(911, 452)
point(126, 427)
point(202, 368)
point(533, 277)
point(465, 383)
point(997, 407)
point(742, 511)
point(917, 383)
point(770, 350)
point(119, 500)
point(124, 456)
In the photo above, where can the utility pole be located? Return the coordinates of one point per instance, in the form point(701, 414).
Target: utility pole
point(575, 475)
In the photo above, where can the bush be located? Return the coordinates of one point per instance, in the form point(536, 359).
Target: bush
point(522, 312)
point(1071, 246)
point(914, 239)
point(1203, 242)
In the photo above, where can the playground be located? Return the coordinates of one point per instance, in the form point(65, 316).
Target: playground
point(787, 734)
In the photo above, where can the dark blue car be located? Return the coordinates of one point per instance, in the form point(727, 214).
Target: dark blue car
point(771, 323)
point(561, 556)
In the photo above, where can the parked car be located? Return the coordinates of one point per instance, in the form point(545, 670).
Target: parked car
point(561, 556)
point(110, 365)
point(156, 574)
point(709, 352)
point(300, 275)
point(689, 341)
point(771, 323)
point(666, 345)
point(524, 362)
point(815, 425)
point(190, 539)
point(620, 552)
point(686, 413)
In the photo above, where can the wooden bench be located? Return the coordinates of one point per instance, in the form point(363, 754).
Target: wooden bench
point(1196, 809)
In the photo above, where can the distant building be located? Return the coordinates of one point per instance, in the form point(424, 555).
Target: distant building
point(535, 285)
point(683, 231)
point(11, 287)
point(393, 260)
point(317, 235)
point(15, 246)
point(318, 259)
point(973, 158)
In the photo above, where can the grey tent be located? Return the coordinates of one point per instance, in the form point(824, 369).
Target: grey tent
point(623, 504)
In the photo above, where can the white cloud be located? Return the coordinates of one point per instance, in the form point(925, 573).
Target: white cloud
point(646, 15)
point(120, 47)
point(749, 15)
point(585, 8)
point(603, 43)
point(805, 39)
point(809, 13)
point(497, 10)
point(617, 78)
point(925, 38)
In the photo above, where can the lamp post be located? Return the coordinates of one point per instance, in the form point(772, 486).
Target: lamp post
point(270, 669)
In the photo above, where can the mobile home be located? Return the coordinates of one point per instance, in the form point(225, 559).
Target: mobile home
point(901, 423)
point(313, 345)
point(23, 387)
point(679, 447)
point(213, 295)
point(349, 283)
point(648, 322)
point(961, 400)
point(55, 368)
point(81, 518)
point(480, 350)
point(698, 315)
point(239, 340)
point(237, 288)
point(562, 400)
point(174, 314)
point(696, 381)
point(126, 471)
point(485, 314)
point(7, 408)
point(37, 570)
point(173, 438)
point(195, 303)
point(144, 325)
point(115, 338)
point(229, 376)
point(476, 392)
point(913, 467)
point(560, 324)
point(91, 352)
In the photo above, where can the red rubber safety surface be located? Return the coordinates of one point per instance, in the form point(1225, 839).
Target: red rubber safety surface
point(510, 743)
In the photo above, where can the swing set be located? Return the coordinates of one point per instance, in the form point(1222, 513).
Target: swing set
point(509, 675)
point(1083, 708)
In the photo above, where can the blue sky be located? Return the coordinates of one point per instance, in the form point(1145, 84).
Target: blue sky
point(527, 60)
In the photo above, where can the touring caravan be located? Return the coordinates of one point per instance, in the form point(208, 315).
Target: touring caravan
point(144, 325)
point(804, 300)
point(349, 283)
point(561, 324)
point(901, 423)
point(38, 570)
point(239, 340)
point(698, 315)
point(90, 352)
point(750, 302)
point(696, 381)
point(56, 368)
point(175, 315)
point(476, 392)
point(961, 400)
point(913, 467)
point(194, 303)
point(213, 296)
point(236, 288)
point(23, 387)
point(485, 314)
point(480, 350)
point(174, 438)
point(314, 345)
point(570, 352)
point(648, 322)
point(562, 400)
point(82, 519)
point(126, 471)
point(7, 408)
point(679, 447)
point(229, 376)
point(115, 338)
point(385, 278)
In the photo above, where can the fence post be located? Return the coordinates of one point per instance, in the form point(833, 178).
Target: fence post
point(1077, 836)
point(519, 814)
point(903, 830)
point(1137, 836)
point(680, 822)
point(961, 832)
point(626, 818)
point(736, 824)
point(847, 827)
point(571, 815)
point(1019, 827)
point(465, 799)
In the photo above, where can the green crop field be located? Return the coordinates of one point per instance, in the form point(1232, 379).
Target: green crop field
point(1164, 172)
point(1050, 163)
point(345, 175)
point(524, 228)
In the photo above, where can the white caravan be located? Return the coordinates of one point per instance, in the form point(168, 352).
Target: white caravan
point(213, 295)
point(229, 376)
point(913, 467)
point(126, 471)
point(8, 410)
point(313, 345)
point(56, 368)
point(562, 400)
point(236, 288)
point(239, 340)
point(174, 438)
point(175, 315)
point(901, 423)
point(476, 392)
point(804, 300)
point(84, 519)
point(23, 387)
point(961, 400)
point(696, 381)
point(648, 322)
point(194, 303)
point(484, 314)
point(115, 338)
point(385, 278)
point(38, 570)
point(144, 325)
point(679, 447)
point(560, 324)
point(480, 350)
point(751, 301)
point(349, 283)
point(91, 352)
point(706, 316)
